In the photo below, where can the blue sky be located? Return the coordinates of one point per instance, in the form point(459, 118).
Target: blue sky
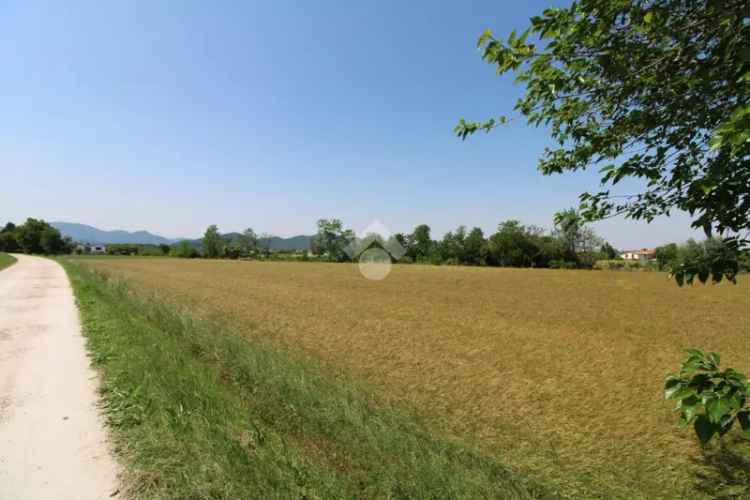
point(170, 116)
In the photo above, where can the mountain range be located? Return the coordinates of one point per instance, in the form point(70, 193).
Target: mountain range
point(89, 234)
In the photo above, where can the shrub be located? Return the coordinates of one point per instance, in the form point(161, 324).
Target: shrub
point(710, 399)
point(624, 265)
point(562, 264)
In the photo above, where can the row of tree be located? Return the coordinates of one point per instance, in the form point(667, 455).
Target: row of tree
point(34, 236)
point(243, 245)
point(701, 258)
point(570, 244)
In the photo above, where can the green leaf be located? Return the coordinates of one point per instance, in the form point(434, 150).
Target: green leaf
point(715, 358)
point(696, 352)
point(672, 385)
point(682, 393)
point(649, 17)
point(705, 429)
point(744, 418)
point(486, 35)
point(717, 408)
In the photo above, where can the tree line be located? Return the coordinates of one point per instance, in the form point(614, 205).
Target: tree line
point(571, 244)
point(34, 236)
point(701, 258)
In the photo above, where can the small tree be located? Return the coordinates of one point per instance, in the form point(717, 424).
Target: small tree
point(609, 251)
point(9, 238)
point(264, 244)
point(475, 247)
point(666, 255)
point(184, 250)
point(332, 238)
point(569, 224)
point(247, 242)
point(420, 243)
point(213, 245)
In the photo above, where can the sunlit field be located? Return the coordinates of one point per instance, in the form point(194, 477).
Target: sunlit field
point(558, 374)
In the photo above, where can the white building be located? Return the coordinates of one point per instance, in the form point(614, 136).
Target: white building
point(90, 248)
point(642, 255)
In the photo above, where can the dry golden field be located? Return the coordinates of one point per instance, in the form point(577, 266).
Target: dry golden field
point(558, 373)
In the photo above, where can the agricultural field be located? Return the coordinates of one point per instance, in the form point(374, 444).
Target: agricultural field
point(557, 375)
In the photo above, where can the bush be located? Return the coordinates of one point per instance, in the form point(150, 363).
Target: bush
point(710, 399)
point(562, 264)
point(712, 258)
point(624, 265)
point(185, 250)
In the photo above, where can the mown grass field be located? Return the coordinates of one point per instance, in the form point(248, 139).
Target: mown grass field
point(6, 260)
point(554, 374)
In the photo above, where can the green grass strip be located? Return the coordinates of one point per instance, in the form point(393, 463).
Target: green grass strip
point(6, 260)
point(199, 412)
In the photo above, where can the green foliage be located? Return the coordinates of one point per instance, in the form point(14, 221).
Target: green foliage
point(213, 245)
point(34, 237)
point(623, 265)
point(569, 224)
point(8, 239)
point(655, 90)
point(609, 251)
point(184, 250)
point(710, 399)
point(514, 245)
point(475, 250)
point(6, 260)
point(419, 245)
point(332, 239)
point(247, 243)
point(666, 255)
point(712, 258)
point(137, 249)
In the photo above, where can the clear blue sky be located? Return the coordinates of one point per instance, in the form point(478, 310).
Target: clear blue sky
point(170, 116)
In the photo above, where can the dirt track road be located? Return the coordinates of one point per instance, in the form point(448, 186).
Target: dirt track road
point(52, 441)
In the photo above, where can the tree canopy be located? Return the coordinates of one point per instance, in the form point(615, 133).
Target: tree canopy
point(213, 246)
point(657, 90)
point(34, 236)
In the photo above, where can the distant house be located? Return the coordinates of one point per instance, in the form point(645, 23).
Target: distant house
point(642, 255)
point(90, 248)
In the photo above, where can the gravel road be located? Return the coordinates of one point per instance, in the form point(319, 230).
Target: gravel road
point(53, 444)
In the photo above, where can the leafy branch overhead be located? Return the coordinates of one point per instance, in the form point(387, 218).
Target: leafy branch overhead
point(656, 90)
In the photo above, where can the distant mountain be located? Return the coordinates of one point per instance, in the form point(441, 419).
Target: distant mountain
point(300, 242)
point(89, 234)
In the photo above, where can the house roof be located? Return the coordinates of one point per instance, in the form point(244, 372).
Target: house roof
point(642, 251)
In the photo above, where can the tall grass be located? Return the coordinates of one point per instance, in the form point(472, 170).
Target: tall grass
point(6, 260)
point(199, 412)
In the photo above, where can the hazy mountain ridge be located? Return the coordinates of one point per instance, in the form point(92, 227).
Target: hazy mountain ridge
point(294, 243)
point(88, 234)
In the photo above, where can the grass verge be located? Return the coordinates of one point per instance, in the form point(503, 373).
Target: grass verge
point(6, 260)
point(199, 412)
